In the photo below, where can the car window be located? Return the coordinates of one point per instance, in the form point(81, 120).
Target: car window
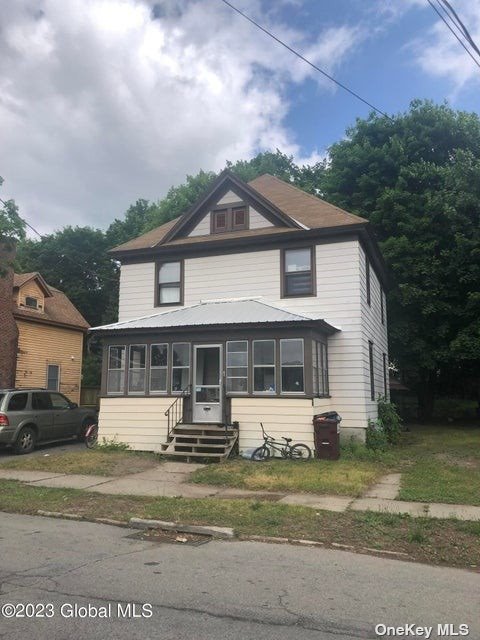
point(59, 401)
point(41, 401)
point(18, 402)
point(2, 395)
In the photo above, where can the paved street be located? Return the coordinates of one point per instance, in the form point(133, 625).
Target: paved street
point(220, 590)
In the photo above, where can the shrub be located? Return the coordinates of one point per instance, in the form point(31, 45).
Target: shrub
point(112, 445)
point(376, 437)
point(389, 419)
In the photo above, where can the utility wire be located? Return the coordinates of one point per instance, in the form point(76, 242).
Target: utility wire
point(454, 33)
point(299, 55)
point(461, 25)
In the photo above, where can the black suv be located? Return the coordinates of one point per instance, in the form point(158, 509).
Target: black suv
point(31, 416)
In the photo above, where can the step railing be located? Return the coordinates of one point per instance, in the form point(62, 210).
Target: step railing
point(174, 413)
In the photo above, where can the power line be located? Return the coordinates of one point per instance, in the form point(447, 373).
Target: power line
point(299, 55)
point(454, 33)
point(460, 24)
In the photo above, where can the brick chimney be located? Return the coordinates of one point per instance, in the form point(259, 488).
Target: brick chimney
point(8, 326)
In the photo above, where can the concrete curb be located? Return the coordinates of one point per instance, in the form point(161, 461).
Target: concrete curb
point(215, 532)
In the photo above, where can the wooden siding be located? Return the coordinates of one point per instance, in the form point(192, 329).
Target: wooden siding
point(339, 300)
point(140, 422)
point(374, 330)
point(30, 289)
point(40, 345)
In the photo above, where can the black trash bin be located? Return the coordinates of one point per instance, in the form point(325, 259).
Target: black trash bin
point(326, 429)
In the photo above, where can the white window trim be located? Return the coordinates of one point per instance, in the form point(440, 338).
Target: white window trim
point(116, 346)
point(51, 364)
point(136, 393)
point(254, 366)
point(189, 367)
point(150, 367)
point(298, 366)
point(227, 367)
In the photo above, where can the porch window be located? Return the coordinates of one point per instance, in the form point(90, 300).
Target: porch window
point(297, 270)
point(136, 368)
point(320, 369)
point(116, 369)
point(180, 366)
point(264, 366)
point(292, 364)
point(237, 366)
point(169, 283)
point(158, 367)
point(53, 377)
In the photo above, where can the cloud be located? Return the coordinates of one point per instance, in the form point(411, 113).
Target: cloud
point(439, 54)
point(104, 101)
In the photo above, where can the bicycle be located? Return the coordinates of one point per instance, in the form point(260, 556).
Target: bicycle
point(91, 436)
point(298, 451)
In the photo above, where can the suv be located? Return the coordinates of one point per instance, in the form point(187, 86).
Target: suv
point(31, 416)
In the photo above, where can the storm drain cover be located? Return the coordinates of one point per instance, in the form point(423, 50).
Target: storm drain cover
point(171, 537)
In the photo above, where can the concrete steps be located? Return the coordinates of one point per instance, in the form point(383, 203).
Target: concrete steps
point(200, 441)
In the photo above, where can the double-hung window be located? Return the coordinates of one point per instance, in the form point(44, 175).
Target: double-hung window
point(169, 283)
point(116, 369)
point(136, 368)
point(298, 272)
point(237, 366)
point(53, 377)
point(180, 366)
point(264, 366)
point(320, 369)
point(158, 368)
point(292, 365)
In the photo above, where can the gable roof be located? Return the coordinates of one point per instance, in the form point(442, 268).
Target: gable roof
point(293, 210)
point(217, 313)
point(58, 309)
point(19, 279)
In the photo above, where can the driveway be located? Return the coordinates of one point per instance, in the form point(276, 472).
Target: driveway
point(219, 590)
point(53, 449)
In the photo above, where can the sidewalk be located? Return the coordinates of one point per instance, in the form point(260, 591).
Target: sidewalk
point(171, 480)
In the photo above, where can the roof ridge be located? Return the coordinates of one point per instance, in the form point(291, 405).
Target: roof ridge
point(310, 195)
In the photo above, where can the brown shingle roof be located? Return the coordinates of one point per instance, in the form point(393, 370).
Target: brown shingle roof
point(20, 279)
point(304, 208)
point(57, 310)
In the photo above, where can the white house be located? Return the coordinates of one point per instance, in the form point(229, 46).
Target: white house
point(261, 304)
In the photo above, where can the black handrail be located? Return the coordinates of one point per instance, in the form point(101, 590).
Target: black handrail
point(174, 413)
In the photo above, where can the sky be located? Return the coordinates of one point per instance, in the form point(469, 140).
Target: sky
point(103, 102)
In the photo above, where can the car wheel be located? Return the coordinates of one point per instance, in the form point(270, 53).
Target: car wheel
point(25, 442)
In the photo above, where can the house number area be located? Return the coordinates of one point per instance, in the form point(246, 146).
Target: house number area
point(127, 610)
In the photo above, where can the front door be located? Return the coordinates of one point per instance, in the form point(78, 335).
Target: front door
point(207, 383)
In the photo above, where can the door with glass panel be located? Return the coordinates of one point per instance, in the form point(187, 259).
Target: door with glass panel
point(207, 384)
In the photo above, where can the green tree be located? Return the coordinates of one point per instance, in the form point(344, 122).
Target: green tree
point(416, 177)
point(12, 229)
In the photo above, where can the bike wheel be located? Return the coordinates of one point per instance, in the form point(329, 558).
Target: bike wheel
point(91, 436)
point(300, 452)
point(261, 453)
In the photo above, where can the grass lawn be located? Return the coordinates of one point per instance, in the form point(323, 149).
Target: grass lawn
point(90, 461)
point(441, 464)
point(444, 542)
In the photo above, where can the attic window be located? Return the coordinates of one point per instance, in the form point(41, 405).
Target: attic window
point(232, 218)
point(31, 303)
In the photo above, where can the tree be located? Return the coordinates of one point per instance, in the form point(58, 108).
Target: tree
point(416, 177)
point(12, 229)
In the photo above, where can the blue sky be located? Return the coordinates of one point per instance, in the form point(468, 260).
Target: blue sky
point(106, 101)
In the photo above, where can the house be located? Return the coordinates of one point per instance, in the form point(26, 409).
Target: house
point(262, 303)
point(47, 332)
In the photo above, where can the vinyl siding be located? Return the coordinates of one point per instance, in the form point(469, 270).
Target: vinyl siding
point(40, 345)
point(339, 301)
point(140, 422)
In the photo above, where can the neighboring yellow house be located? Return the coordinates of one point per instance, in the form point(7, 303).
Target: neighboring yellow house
point(50, 340)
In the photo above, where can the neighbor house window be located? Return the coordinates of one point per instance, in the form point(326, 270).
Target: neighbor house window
point(320, 369)
point(116, 369)
point(158, 367)
point(169, 286)
point(372, 375)
point(237, 366)
point(385, 373)
point(136, 368)
point(264, 366)
point(229, 219)
point(180, 366)
point(367, 278)
point(53, 377)
point(291, 363)
point(298, 272)
point(31, 302)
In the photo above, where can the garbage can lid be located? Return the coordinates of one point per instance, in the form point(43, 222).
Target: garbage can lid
point(328, 415)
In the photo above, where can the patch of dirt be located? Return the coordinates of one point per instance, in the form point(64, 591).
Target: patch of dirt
point(131, 465)
point(171, 537)
point(465, 463)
